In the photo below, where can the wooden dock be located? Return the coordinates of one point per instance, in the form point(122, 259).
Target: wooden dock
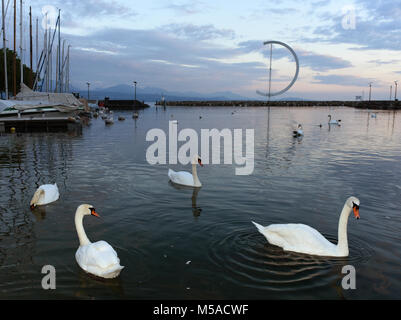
point(40, 124)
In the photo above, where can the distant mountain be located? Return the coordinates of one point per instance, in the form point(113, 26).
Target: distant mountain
point(126, 92)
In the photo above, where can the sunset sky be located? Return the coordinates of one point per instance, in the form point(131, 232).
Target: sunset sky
point(209, 46)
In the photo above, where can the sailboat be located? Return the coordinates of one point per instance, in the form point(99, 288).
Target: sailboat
point(29, 103)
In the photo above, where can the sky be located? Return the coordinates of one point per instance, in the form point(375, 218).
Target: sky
point(216, 46)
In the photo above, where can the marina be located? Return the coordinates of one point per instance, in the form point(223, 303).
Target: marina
point(241, 153)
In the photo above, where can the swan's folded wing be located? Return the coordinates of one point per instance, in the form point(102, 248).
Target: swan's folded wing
point(101, 255)
point(181, 177)
point(51, 193)
point(297, 237)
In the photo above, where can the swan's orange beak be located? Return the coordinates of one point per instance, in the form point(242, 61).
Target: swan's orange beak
point(356, 212)
point(200, 162)
point(94, 213)
point(32, 206)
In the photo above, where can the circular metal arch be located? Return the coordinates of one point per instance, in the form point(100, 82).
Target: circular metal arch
point(296, 72)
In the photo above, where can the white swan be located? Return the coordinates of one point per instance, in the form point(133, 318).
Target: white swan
point(45, 194)
point(186, 178)
point(304, 239)
point(299, 132)
point(337, 122)
point(98, 258)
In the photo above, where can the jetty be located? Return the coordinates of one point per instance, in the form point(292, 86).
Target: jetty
point(40, 124)
point(374, 104)
point(123, 104)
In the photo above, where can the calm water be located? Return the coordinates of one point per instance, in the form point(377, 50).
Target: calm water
point(157, 228)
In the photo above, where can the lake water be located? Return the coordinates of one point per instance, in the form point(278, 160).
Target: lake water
point(180, 243)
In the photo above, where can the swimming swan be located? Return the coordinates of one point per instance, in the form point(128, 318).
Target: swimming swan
point(299, 132)
point(186, 178)
point(337, 122)
point(45, 194)
point(304, 239)
point(98, 258)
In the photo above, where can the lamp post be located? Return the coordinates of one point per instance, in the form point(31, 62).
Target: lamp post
point(395, 94)
point(88, 89)
point(391, 91)
point(370, 89)
point(135, 90)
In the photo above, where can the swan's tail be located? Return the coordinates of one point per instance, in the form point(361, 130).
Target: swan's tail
point(170, 173)
point(259, 227)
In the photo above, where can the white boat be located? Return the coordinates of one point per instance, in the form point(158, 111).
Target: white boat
point(28, 104)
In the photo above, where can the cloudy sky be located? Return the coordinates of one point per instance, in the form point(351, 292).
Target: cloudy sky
point(208, 46)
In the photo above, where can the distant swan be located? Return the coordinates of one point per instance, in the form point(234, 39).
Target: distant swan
point(186, 178)
point(305, 239)
point(299, 132)
point(109, 120)
point(98, 258)
point(337, 122)
point(45, 194)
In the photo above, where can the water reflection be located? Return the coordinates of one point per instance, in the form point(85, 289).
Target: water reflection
point(89, 286)
point(196, 210)
point(39, 212)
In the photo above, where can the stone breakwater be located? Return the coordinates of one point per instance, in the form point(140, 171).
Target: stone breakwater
point(374, 104)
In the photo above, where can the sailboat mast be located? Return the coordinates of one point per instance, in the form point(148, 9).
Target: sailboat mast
point(4, 49)
point(68, 70)
point(15, 51)
point(37, 45)
point(30, 47)
point(59, 52)
point(20, 44)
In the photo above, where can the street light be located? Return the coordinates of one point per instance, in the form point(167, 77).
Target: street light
point(395, 94)
point(391, 91)
point(135, 90)
point(88, 89)
point(370, 89)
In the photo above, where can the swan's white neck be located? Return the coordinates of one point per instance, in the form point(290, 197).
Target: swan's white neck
point(342, 244)
point(83, 239)
point(197, 183)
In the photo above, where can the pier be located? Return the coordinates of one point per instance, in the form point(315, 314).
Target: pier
point(123, 104)
point(39, 124)
point(374, 104)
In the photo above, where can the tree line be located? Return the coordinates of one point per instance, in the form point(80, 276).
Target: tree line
point(29, 75)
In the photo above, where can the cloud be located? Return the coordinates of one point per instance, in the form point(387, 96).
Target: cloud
point(90, 8)
point(380, 62)
point(188, 8)
point(342, 80)
point(314, 61)
point(193, 32)
point(157, 58)
point(377, 26)
point(282, 11)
